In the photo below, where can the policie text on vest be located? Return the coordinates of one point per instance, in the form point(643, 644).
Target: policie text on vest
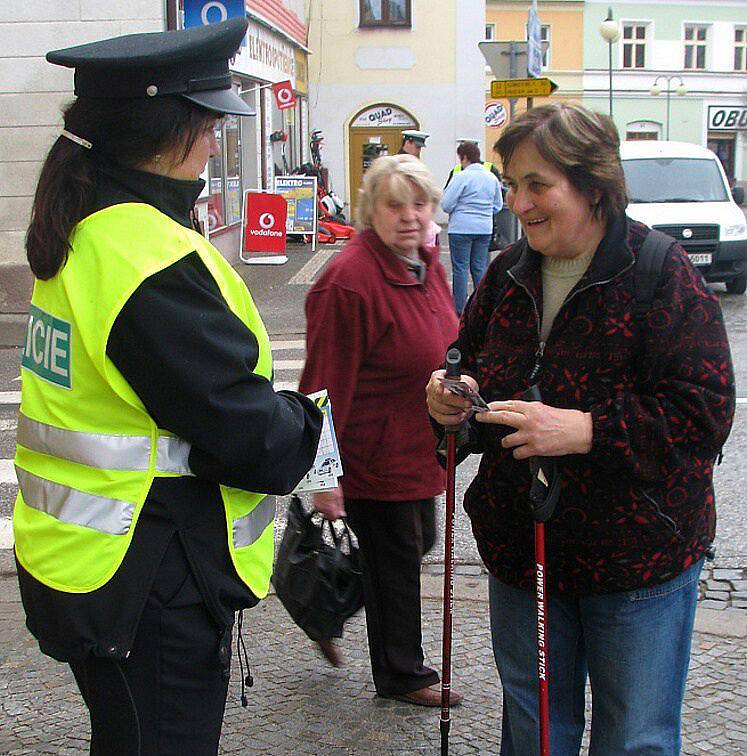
point(46, 351)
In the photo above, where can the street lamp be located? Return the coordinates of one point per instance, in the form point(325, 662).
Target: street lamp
point(656, 90)
point(610, 33)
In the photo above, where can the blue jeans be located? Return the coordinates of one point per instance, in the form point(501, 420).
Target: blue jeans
point(635, 648)
point(469, 253)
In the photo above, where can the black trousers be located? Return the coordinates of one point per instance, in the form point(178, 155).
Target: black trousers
point(393, 537)
point(169, 695)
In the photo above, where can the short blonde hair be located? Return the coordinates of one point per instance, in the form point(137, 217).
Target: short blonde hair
point(400, 176)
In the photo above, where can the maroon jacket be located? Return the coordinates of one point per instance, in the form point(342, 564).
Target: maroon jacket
point(639, 508)
point(373, 337)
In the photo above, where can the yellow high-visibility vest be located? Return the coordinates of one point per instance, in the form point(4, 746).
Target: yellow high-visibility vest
point(87, 449)
point(487, 165)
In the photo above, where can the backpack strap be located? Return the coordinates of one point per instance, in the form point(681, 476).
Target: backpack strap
point(648, 269)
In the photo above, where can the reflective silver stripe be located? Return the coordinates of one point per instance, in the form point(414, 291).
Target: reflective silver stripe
point(75, 507)
point(247, 529)
point(104, 451)
point(173, 455)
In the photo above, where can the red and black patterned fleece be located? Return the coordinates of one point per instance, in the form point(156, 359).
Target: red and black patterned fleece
point(639, 508)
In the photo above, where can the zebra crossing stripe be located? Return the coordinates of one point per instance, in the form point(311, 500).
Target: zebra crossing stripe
point(7, 472)
point(278, 346)
point(6, 533)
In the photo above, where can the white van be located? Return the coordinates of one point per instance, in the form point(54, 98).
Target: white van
point(681, 189)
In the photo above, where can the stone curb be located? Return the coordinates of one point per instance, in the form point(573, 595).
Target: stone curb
point(724, 623)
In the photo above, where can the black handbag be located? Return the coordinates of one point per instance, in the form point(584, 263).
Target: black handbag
point(317, 578)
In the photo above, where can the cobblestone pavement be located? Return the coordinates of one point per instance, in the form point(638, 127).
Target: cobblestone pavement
point(299, 705)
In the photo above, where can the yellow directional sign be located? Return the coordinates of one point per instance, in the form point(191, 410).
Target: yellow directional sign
point(522, 88)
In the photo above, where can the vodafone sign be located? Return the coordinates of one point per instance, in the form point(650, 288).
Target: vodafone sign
point(264, 222)
point(284, 95)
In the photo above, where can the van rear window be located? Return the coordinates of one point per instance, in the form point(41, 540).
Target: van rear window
point(674, 180)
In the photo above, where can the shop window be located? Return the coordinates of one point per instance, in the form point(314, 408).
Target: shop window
point(385, 13)
point(642, 130)
point(216, 217)
point(724, 147)
point(232, 193)
point(634, 45)
point(279, 141)
point(695, 46)
point(251, 144)
point(639, 136)
point(740, 48)
point(224, 176)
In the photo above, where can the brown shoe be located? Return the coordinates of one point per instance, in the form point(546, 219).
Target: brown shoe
point(330, 652)
point(430, 696)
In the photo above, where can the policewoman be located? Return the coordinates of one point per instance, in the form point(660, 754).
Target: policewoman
point(149, 434)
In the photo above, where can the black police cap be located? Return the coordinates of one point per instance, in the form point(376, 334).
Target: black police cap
point(191, 63)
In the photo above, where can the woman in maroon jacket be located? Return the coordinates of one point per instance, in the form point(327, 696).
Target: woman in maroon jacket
point(635, 410)
point(379, 320)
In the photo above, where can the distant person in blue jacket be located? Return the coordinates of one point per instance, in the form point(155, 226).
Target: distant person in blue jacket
point(471, 199)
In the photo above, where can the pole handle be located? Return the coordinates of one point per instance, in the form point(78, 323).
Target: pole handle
point(544, 490)
point(453, 363)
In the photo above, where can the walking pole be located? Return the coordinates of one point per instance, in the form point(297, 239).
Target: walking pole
point(453, 370)
point(543, 496)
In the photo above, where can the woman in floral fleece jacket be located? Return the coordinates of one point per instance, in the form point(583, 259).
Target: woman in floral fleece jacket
point(635, 409)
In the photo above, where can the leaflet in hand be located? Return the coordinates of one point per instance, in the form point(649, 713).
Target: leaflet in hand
point(463, 389)
point(327, 467)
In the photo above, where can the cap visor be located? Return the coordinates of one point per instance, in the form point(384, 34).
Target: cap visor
point(220, 101)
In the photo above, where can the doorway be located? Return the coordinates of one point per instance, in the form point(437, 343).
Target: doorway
point(374, 131)
point(723, 146)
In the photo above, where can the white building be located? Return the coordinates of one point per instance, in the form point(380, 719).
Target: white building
point(379, 68)
point(33, 93)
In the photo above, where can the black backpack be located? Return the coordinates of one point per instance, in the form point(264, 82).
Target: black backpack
point(648, 269)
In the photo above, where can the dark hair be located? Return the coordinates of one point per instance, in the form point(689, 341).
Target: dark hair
point(583, 144)
point(127, 132)
point(470, 151)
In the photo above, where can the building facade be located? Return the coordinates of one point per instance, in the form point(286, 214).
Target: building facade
point(254, 150)
point(693, 53)
point(380, 68)
point(562, 30)
point(33, 93)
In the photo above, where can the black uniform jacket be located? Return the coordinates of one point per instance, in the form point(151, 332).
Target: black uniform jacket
point(190, 360)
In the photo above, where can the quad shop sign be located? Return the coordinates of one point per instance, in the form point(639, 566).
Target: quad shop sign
point(381, 116)
point(727, 117)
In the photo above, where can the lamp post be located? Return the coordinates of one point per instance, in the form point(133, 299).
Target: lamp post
point(610, 33)
point(656, 90)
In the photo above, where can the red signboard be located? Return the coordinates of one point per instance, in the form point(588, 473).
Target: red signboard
point(264, 222)
point(284, 95)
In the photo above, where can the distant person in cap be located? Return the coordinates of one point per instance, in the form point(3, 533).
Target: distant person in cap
point(149, 432)
point(413, 142)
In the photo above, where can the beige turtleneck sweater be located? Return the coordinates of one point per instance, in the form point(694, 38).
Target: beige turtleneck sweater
point(559, 276)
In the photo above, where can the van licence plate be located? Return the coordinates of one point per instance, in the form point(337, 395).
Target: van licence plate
point(701, 258)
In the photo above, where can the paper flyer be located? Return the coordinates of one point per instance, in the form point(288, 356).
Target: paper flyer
point(327, 467)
